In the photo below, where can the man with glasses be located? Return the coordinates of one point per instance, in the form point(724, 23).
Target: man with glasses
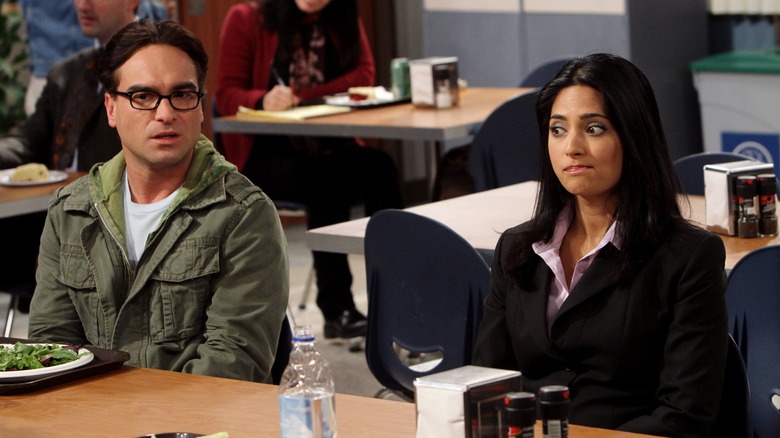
point(165, 251)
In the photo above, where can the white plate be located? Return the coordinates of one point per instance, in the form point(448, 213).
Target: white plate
point(23, 375)
point(344, 100)
point(54, 176)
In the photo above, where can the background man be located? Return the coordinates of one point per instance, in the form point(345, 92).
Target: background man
point(165, 251)
point(68, 130)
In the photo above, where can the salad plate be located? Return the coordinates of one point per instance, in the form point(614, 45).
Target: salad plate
point(54, 176)
point(24, 375)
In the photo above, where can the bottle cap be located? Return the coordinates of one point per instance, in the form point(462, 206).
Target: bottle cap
point(746, 186)
point(302, 333)
point(520, 408)
point(767, 184)
point(520, 400)
point(553, 393)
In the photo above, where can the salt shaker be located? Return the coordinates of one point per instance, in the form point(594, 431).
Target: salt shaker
point(554, 410)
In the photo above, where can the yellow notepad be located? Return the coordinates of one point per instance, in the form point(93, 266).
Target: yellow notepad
point(297, 113)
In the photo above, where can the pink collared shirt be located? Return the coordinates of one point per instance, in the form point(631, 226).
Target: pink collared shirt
point(550, 253)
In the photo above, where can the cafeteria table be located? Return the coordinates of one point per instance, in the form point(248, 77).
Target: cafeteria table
point(16, 201)
point(133, 402)
point(481, 217)
point(393, 122)
point(390, 122)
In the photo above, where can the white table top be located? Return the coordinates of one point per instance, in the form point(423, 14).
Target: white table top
point(16, 201)
point(479, 217)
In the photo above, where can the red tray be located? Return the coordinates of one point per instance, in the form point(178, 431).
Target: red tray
point(104, 361)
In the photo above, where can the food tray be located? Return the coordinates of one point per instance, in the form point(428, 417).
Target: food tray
point(104, 361)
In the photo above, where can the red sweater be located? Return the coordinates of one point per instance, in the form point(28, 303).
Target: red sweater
point(246, 51)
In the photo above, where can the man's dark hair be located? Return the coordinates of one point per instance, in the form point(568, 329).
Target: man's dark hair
point(143, 33)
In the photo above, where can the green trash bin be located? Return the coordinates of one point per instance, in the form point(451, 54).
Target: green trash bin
point(739, 94)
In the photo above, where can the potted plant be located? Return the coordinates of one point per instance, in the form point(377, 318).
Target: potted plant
point(13, 61)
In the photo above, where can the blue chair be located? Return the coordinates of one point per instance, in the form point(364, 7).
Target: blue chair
point(505, 150)
point(733, 420)
point(690, 168)
point(753, 301)
point(543, 73)
point(426, 286)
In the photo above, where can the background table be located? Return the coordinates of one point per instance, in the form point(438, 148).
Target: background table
point(481, 218)
point(395, 122)
point(16, 201)
point(138, 401)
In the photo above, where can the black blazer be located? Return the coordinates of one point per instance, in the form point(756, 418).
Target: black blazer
point(648, 357)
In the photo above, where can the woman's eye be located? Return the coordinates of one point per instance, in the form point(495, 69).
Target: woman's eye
point(596, 128)
point(556, 130)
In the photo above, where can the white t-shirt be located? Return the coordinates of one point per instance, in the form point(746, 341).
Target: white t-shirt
point(140, 221)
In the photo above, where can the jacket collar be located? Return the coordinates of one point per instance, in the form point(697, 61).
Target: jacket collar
point(105, 186)
point(599, 278)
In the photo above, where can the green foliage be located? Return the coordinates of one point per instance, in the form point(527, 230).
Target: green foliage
point(13, 61)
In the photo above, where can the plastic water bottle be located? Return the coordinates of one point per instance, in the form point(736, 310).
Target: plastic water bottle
point(306, 392)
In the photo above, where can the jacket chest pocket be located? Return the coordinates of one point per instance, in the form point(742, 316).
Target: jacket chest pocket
point(75, 273)
point(181, 289)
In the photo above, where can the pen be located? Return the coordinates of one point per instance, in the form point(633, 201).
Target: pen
point(276, 75)
point(281, 82)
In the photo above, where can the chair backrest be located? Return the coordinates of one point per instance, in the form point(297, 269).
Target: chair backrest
point(753, 302)
point(690, 168)
point(543, 73)
point(505, 150)
point(733, 420)
point(283, 349)
point(426, 286)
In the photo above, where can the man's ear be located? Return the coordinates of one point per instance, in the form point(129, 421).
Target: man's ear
point(110, 103)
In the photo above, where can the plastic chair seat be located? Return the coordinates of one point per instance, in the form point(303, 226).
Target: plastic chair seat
point(754, 310)
point(690, 168)
point(505, 150)
point(426, 286)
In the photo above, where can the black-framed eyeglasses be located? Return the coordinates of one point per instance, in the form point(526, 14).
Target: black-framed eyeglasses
point(149, 100)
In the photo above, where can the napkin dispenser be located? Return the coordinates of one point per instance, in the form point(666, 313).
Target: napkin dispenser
point(463, 402)
point(720, 200)
point(434, 82)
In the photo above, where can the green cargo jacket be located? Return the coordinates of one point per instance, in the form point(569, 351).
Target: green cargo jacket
point(210, 291)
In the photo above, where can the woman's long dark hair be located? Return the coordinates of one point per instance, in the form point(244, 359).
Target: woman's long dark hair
point(648, 186)
point(339, 19)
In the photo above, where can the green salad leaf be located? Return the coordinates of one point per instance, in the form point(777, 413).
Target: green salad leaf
point(33, 356)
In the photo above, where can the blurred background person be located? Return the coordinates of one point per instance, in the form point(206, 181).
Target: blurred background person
point(54, 33)
point(69, 129)
point(608, 289)
point(277, 54)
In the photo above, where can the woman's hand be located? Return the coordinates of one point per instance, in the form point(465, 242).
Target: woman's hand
point(280, 98)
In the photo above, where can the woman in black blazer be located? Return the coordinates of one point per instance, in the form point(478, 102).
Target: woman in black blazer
point(608, 289)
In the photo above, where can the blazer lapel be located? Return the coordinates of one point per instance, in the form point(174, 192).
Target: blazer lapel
point(535, 310)
point(601, 276)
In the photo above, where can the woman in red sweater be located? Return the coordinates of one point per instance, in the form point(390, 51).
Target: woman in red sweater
point(317, 48)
